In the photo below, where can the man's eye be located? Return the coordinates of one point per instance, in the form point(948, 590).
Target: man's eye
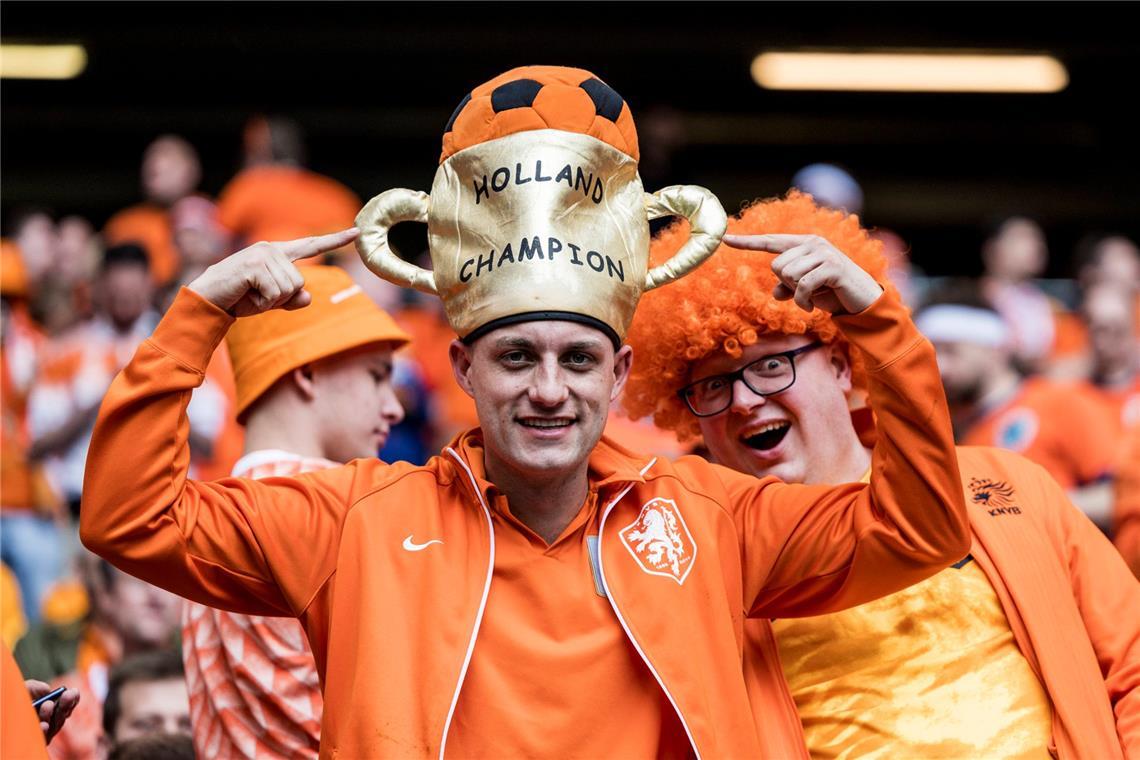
point(579, 359)
point(515, 357)
point(714, 384)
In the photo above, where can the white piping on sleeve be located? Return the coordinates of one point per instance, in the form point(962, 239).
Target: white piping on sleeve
point(625, 627)
point(482, 602)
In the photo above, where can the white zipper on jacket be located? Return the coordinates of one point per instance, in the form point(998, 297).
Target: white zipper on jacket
point(625, 627)
point(482, 602)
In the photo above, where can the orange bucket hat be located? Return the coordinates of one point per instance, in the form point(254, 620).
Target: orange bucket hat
point(265, 347)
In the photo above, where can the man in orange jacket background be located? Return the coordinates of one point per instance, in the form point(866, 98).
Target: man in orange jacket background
point(1029, 644)
point(534, 578)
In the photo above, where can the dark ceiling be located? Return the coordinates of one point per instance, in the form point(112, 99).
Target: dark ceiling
point(374, 83)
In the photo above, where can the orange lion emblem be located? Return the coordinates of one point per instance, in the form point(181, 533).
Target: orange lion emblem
point(660, 541)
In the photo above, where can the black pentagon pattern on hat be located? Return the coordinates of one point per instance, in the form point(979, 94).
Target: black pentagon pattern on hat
point(517, 94)
point(607, 102)
point(455, 114)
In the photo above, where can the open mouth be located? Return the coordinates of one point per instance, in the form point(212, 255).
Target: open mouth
point(769, 436)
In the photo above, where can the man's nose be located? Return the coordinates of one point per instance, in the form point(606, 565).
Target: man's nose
point(548, 385)
point(744, 399)
point(391, 410)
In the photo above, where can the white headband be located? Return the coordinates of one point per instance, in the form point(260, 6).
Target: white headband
point(951, 323)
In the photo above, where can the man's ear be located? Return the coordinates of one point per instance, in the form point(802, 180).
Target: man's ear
point(460, 355)
point(623, 363)
point(303, 379)
point(841, 364)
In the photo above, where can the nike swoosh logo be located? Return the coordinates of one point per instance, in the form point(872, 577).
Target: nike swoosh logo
point(411, 546)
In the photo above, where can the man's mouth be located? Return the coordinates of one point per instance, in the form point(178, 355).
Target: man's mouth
point(545, 423)
point(767, 436)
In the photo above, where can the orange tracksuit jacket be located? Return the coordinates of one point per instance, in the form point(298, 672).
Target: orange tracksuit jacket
point(393, 632)
point(1071, 602)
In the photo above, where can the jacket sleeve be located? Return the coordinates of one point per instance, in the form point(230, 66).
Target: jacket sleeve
point(1126, 506)
point(1108, 597)
point(808, 550)
point(258, 547)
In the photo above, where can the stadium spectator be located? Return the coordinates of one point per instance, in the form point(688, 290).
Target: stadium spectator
point(1013, 255)
point(170, 172)
point(1109, 314)
point(274, 197)
point(992, 404)
point(1000, 655)
point(29, 537)
point(127, 617)
point(78, 366)
point(154, 747)
point(146, 697)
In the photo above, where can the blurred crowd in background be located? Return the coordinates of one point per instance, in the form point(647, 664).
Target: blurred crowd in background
point(1054, 375)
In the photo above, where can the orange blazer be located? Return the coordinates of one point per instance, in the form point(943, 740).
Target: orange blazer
point(686, 549)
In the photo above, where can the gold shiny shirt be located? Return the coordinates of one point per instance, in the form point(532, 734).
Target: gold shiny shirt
point(930, 672)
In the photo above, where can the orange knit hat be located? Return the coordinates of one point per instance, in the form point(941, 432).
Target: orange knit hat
point(266, 347)
point(727, 304)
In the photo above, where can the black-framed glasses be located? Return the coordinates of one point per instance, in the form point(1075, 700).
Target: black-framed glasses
point(766, 376)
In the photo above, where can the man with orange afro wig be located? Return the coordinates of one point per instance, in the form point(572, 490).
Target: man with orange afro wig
point(1031, 642)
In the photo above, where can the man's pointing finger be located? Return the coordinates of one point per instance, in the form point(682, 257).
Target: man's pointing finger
point(311, 246)
point(770, 243)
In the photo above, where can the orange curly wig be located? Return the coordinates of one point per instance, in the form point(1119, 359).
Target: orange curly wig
point(727, 304)
point(541, 97)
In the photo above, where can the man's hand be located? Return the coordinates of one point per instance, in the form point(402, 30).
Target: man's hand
point(52, 714)
point(263, 276)
point(814, 272)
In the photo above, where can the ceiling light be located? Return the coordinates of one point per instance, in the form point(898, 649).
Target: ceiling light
point(42, 61)
point(909, 72)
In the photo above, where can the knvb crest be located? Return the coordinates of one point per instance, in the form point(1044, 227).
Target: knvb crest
point(660, 541)
point(995, 495)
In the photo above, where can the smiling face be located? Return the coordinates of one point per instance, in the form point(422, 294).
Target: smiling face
point(354, 402)
point(801, 435)
point(542, 391)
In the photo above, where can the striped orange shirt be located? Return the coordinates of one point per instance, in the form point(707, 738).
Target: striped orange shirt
point(253, 685)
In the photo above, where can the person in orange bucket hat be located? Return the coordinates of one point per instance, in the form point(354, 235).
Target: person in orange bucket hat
point(535, 590)
point(1029, 644)
point(314, 390)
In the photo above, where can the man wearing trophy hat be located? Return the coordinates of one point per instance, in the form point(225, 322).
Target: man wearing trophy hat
point(534, 590)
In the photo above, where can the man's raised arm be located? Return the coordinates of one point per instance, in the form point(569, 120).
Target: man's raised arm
point(814, 549)
point(229, 544)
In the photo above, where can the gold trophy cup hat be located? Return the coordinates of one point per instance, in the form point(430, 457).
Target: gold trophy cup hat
point(537, 210)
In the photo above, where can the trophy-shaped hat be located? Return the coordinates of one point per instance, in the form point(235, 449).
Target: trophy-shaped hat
point(537, 210)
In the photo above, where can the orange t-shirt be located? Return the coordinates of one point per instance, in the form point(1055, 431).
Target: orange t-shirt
point(252, 681)
point(1062, 427)
point(149, 226)
point(546, 614)
point(20, 734)
point(283, 203)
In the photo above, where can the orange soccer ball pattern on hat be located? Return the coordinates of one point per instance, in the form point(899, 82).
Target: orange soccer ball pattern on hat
point(541, 97)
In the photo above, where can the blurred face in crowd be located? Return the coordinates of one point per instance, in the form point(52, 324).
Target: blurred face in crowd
point(1017, 251)
point(1117, 263)
point(170, 170)
point(126, 293)
point(38, 239)
point(542, 391)
point(144, 615)
point(77, 249)
point(152, 707)
point(965, 366)
point(355, 402)
point(1109, 312)
point(801, 434)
